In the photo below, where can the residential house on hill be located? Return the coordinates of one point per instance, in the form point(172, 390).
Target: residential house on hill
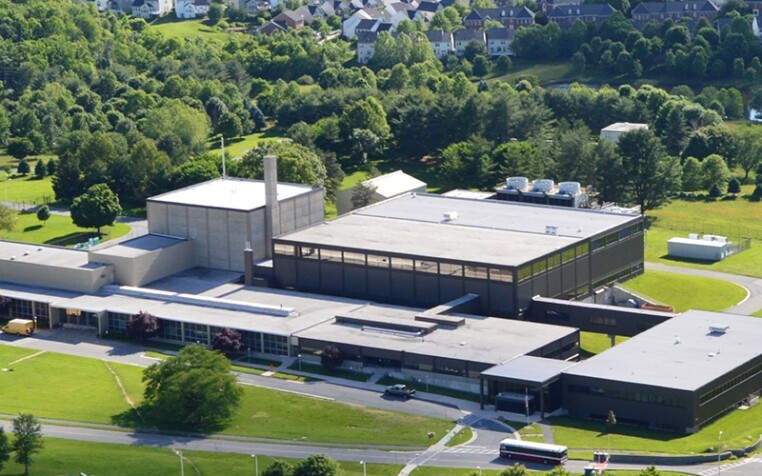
point(465, 36)
point(271, 28)
point(366, 43)
point(294, 19)
point(348, 28)
point(512, 18)
point(499, 42)
point(548, 5)
point(441, 42)
point(566, 16)
point(150, 9)
point(658, 11)
point(191, 8)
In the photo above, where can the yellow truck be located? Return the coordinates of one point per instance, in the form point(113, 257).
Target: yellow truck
point(24, 327)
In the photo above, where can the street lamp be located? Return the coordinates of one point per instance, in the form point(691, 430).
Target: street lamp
point(299, 358)
point(480, 470)
point(719, 463)
point(182, 468)
point(256, 465)
point(364, 473)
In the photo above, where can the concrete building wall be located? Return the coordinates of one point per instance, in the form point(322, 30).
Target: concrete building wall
point(85, 279)
point(141, 270)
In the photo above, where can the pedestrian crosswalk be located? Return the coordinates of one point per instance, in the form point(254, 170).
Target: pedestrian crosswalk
point(718, 470)
point(474, 450)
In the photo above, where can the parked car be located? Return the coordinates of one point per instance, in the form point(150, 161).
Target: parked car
point(400, 390)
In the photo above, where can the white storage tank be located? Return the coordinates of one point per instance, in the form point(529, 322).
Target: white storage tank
point(543, 185)
point(569, 188)
point(517, 183)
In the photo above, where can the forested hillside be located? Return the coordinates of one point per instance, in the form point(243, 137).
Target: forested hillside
point(119, 103)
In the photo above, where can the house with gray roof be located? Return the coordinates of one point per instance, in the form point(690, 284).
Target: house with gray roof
point(660, 11)
point(441, 42)
point(463, 37)
point(566, 16)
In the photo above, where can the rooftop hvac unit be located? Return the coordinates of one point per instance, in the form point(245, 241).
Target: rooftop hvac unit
point(718, 328)
point(450, 215)
point(569, 188)
point(517, 183)
point(551, 230)
point(543, 185)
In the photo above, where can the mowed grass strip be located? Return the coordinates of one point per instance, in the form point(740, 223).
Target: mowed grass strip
point(61, 456)
point(686, 292)
point(592, 343)
point(27, 189)
point(57, 230)
point(10, 354)
point(739, 429)
point(272, 414)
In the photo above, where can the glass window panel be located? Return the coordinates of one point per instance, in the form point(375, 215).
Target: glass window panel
point(451, 269)
point(499, 274)
point(330, 255)
point(308, 252)
point(378, 261)
point(354, 258)
point(476, 272)
point(281, 249)
point(426, 266)
point(402, 263)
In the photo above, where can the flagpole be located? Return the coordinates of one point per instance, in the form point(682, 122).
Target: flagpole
point(222, 142)
point(526, 403)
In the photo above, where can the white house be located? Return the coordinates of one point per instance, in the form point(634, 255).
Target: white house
point(441, 42)
point(499, 42)
point(350, 24)
point(366, 46)
point(150, 9)
point(191, 8)
point(465, 36)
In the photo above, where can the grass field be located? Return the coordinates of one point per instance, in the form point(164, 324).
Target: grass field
point(86, 391)
point(463, 436)
point(89, 392)
point(739, 428)
point(239, 146)
point(435, 471)
point(58, 230)
point(171, 27)
point(592, 343)
point(28, 190)
point(686, 292)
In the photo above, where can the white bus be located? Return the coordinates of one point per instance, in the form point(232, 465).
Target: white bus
point(533, 451)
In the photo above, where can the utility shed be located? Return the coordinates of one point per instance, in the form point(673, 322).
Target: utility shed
point(677, 376)
point(224, 215)
point(384, 186)
point(710, 248)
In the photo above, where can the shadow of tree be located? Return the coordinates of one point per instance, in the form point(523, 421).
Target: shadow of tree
point(32, 228)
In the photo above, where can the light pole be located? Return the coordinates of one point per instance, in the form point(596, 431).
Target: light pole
point(364, 473)
point(299, 358)
point(719, 446)
point(256, 465)
point(427, 382)
point(182, 468)
point(480, 470)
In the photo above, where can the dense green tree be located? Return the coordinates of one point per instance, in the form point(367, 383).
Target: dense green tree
point(193, 172)
point(609, 172)
point(194, 390)
point(191, 126)
point(747, 148)
point(23, 167)
point(575, 155)
point(228, 341)
point(43, 213)
point(27, 439)
point(365, 114)
point(7, 218)
point(714, 171)
point(20, 147)
point(692, 179)
point(40, 169)
point(517, 469)
point(278, 468)
point(316, 465)
point(734, 186)
point(650, 174)
point(362, 195)
point(96, 208)
point(5, 448)
point(296, 163)
point(229, 125)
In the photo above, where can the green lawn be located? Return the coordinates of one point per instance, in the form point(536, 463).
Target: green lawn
point(463, 436)
point(592, 343)
point(340, 373)
point(58, 230)
point(28, 190)
point(739, 428)
point(686, 292)
point(172, 27)
point(84, 389)
point(271, 414)
point(239, 146)
point(75, 457)
point(435, 471)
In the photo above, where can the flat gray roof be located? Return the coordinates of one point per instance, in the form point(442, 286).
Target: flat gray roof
point(485, 231)
point(52, 256)
point(486, 340)
point(138, 246)
point(229, 193)
point(32, 293)
point(529, 369)
point(680, 353)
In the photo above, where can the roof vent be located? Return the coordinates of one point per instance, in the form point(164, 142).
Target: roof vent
point(718, 328)
point(450, 215)
point(677, 339)
point(551, 230)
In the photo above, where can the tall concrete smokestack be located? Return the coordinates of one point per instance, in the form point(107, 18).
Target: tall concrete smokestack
point(272, 211)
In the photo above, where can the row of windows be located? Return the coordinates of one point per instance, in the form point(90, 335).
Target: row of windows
point(752, 372)
point(553, 261)
point(405, 264)
point(617, 276)
point(612, 238)
point(650, 398)
point(603, 321)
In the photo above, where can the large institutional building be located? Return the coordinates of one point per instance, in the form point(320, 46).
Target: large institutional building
point(431, 287)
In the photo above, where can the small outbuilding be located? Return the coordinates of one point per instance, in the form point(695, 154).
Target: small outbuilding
point(708, 248)
point(614, 131)
point(384, 186)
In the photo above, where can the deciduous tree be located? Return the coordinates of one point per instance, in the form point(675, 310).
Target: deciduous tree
point(43, 213)
point(27, 439)
point(228, 341)
point(194, 390)
point(7, 218)
point(317, 465)
point(5, 448)
point(96, 208)
point(142, 325)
